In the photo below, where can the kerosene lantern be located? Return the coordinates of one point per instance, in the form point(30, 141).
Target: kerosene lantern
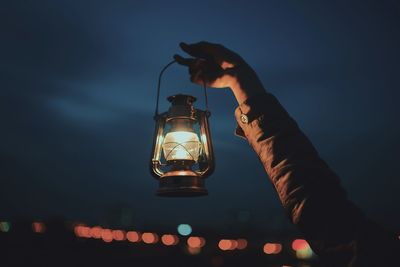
point(182, 155)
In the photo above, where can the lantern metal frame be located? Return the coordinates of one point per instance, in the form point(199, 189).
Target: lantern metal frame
point(181, 180)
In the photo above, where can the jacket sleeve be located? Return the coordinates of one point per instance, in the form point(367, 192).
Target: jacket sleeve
point(309, 190)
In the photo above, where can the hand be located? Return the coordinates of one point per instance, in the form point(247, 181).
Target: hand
point(218, 67)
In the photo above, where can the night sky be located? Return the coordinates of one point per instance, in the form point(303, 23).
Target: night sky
point(77, 94)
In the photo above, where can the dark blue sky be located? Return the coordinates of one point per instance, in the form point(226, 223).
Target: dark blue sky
point(77, 94)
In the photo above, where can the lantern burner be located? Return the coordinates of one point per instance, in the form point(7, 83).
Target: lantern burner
point(181, 184)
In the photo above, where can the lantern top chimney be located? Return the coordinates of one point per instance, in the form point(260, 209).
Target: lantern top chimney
point(181, 100)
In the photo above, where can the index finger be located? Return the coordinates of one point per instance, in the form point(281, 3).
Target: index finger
point(202, 49)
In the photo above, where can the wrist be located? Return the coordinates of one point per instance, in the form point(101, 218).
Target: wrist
point(245, 84)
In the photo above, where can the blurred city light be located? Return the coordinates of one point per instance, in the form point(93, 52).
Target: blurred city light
point(272, 248)
point(305, 254)
point(299, 244)
point(82, 231)
point(302, 248)
point(193, 250)
point(196, 242)
point(184, 229)
point(95, 232)
point(38, 227)
point(169, 240)
point(118, 235)
point(106, 235)
point(241, 243)
point(5, 227)
point(150, 238)
point(227, 244)
point(133, 236)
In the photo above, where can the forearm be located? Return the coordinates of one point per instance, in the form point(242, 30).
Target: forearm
point(309, 190)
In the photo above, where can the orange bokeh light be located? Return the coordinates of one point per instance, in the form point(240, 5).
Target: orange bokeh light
point(118, 235)
point(169, 240)
point(95, 232)
point(196, 242)
point(272, 248)
point(194, 250)
point(299, 244)
point(234, 244)
point(106, 235)
point(225, 244)
point(241, 243)
point(150, 238)
point(133, 236)
point(82, 231)
point(38, 227)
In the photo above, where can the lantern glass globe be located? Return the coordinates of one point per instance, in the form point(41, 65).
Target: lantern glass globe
point(181, 145)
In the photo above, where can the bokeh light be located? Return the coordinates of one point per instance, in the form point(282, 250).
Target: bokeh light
point(299, 244)
point(118, 235)
point(196, 242)
point(150, 238)
point(184, 229)
point(302, 248)
point(241, 243)
point(95, 232)
point(194, 250)
point(225, 244)
point(5, 227)
point(133, 236)
point(82, 231)
point(169, 240)
point(106, 235)
point(38, 227)
point(272, 248)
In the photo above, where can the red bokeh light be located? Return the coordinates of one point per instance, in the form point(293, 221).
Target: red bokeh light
point(299, 244)
point(38, 227)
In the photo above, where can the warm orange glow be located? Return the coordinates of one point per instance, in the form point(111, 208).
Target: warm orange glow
point(234, 244)
point(272, 248)
point(95, 232)
point(82, 231)
point(77, 230)
point(202, 242)
point(85, 232)
point(133, 236)
point(169, 240)
point(38, 227)
point(118, 235)
point(299, 244)
point(196, 242)
point(150, 238)
point(225, 244)
point(107, 235)
point(241, 243)
point(194, 250)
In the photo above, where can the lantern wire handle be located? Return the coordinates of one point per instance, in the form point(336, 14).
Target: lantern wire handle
point(159, 88)
point(159, 85)
point(205, 96)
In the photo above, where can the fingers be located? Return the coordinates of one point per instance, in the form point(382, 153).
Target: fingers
point(199, 50)
point(211, 51)
point(183, 61)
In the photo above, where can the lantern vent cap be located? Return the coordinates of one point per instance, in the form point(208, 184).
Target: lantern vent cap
point(182, 100)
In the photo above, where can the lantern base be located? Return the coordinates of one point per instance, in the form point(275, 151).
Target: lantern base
point(181, 186)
